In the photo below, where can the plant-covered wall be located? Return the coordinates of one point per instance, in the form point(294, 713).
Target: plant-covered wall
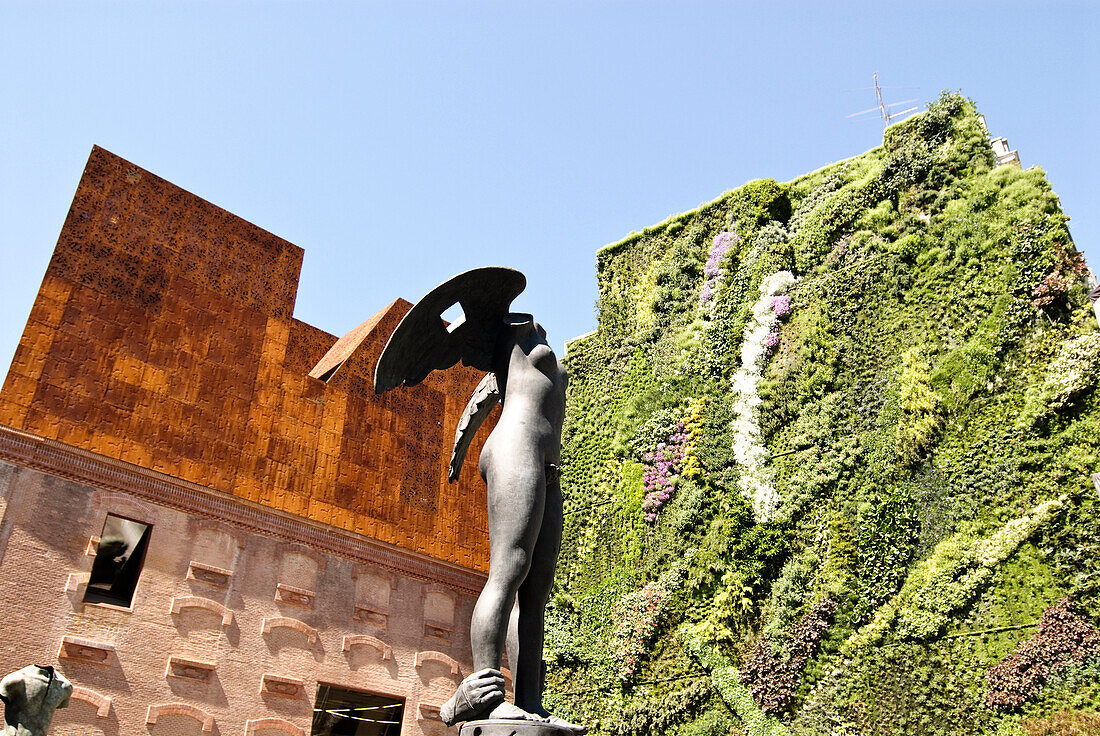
point(828, 455)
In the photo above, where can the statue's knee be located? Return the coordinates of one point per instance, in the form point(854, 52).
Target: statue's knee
point(510, 570)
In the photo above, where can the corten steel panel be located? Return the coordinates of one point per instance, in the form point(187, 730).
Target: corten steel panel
point(163, 336)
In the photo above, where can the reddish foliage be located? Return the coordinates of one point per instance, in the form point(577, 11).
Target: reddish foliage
point(1057, 283)
point(1065, 638)
point(772, 679)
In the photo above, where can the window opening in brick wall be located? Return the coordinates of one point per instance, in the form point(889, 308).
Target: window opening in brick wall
point(118, 560)
point(341, 712)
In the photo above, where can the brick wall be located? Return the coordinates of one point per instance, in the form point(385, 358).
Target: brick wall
point(229, 627)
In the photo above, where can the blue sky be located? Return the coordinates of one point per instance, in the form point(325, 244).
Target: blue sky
point(401, 143)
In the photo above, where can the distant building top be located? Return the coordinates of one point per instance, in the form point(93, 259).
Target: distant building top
point(1003, 154)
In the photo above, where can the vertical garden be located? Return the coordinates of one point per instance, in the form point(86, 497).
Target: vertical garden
point(827, 459)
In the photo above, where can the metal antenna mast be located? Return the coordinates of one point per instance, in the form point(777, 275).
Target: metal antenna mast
point(882, 107)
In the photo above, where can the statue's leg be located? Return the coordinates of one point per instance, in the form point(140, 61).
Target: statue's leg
point(533, 596)
point(515, 494)
point(512, 646)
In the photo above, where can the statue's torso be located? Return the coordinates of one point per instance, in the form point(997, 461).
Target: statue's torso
point(533, 387)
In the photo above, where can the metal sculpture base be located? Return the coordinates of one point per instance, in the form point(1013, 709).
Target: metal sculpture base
point(506, 727)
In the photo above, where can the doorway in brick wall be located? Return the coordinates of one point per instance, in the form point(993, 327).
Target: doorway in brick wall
point(338, 711)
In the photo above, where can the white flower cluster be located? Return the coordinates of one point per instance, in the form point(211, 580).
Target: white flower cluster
point(756, 483)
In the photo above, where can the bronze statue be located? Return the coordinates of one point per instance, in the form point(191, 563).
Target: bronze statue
point(30, 696)
point(520, 465)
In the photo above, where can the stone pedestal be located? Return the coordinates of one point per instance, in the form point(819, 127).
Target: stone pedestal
point(505, 727)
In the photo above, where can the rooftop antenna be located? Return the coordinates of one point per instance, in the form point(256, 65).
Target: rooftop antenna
point(882, 108)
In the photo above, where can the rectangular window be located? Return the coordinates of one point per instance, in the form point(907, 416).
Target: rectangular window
point(118, 560)
point(341, 712)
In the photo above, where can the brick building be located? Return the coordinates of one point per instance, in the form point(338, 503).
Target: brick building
point(208, 520)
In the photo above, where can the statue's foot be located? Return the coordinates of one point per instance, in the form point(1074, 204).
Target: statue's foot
point(475, 695)
point(507, 711)
point(560, 722)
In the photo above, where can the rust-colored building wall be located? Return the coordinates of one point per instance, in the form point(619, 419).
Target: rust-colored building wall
point(162, 336)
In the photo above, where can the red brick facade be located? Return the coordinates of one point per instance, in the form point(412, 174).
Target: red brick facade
point(303, 530)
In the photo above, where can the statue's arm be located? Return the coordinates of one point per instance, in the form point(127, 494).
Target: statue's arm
point(485, 397)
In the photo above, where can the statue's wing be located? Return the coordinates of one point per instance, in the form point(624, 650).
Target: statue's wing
point(423, 342)
point(485, 397)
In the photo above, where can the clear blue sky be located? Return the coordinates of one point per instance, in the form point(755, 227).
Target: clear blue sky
point(400, 143)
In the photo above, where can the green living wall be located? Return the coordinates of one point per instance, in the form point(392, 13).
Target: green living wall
point(828, 455)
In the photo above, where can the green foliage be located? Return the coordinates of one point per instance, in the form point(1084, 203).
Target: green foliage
point(919, 407)
point(931, 391)
point(662, 714)
point(789, 593)
point(637, 399)
point(823, 225)
point(887, 541)
point(757, 203)
point(727, 681)
point(949, 578)
point(1074, 548)
point(1074, 371)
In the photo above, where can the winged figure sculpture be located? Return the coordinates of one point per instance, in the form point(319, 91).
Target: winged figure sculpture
point(520, 465)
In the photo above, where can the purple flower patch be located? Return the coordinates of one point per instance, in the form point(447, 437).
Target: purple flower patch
point(781, 305)
point(661, 466)
point(723, 243)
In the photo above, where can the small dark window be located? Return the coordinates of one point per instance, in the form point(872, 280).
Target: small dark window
point(340, 712)
point(118, 561)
